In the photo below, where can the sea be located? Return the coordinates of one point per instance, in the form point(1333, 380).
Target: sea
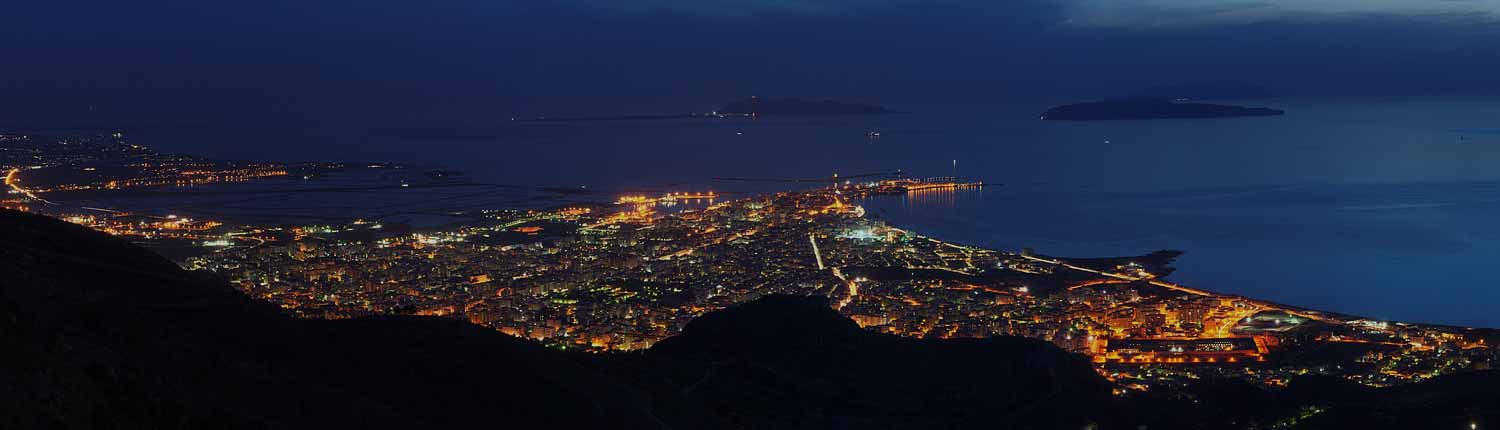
point(1380, 207)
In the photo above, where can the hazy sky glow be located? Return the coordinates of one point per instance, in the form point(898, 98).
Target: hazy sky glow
point(397, 60)
point(1091, 12)
point(1190, 12)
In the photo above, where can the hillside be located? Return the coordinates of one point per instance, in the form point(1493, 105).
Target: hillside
point(100, 333)
point(791, 362)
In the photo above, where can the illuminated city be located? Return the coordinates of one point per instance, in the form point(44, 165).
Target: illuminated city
point(624, 273)
point(750, 215)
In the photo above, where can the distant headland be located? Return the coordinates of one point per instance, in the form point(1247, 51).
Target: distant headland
point(1150, 109)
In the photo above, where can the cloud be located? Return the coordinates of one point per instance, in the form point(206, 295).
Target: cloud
point(375, 57)
point(1136, 13)
point(739, 8)
point(1081, 13)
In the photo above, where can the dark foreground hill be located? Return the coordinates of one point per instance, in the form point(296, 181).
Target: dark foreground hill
point(791, 362)
point(98, 333)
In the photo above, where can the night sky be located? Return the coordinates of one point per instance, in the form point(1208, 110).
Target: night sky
point(285, 63)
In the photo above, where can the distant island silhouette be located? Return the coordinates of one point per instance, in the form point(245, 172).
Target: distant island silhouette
point(1131, 109)
point(99, 330)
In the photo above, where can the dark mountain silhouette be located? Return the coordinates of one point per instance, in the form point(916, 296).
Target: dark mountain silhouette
point(791, 362)
point(101, 333)
point(98, 333)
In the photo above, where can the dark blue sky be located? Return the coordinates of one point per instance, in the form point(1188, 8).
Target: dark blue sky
point(284, 62)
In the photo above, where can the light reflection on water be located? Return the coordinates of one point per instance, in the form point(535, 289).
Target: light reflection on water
point(1418, 252)
point(934, 198)
point(1382, 207)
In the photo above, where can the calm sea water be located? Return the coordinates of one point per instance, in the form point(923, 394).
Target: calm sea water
point(1379, 207)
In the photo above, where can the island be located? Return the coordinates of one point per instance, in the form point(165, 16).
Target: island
point(686, 309)
point(155, 344)
point(1150, 109)
point(756, 106)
